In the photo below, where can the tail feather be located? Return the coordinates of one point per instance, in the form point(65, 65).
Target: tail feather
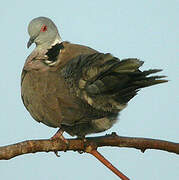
point(105, 82)
point(151, 71)
point(128, 65)
point(121, 80)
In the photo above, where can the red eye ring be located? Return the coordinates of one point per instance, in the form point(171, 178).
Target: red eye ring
point(43, 28)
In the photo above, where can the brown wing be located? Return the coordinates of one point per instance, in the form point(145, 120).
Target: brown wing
point(105, 82)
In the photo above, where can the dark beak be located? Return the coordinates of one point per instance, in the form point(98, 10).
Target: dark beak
point(30, 42)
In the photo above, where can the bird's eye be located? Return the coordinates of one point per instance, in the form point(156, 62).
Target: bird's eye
point(43, 28)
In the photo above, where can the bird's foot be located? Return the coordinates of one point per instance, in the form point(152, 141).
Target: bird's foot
point(59, 135)
point(84, 141)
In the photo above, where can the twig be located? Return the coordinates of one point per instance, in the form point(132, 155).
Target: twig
point(33, 146)
point(103, 160)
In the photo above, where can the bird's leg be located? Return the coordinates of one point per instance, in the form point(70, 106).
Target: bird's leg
point(59, 135)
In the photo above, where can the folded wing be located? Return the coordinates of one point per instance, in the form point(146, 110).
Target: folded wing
point(105, 82)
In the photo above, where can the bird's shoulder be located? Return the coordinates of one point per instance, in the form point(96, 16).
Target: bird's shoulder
point(71, 51)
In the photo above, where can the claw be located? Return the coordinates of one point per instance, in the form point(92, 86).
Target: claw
point(56, 153)
point(80, 152)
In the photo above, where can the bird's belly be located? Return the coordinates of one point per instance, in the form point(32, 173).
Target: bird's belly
point(48, 100)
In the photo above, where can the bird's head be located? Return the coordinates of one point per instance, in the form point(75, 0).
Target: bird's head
point(43, 32)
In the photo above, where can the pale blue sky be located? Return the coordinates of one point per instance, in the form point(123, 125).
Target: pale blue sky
point(148, 30)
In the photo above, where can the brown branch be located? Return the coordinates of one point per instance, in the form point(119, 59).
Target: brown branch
point(33, 146)
point(103, 160)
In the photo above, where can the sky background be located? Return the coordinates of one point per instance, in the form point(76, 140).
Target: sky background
point(148, 30)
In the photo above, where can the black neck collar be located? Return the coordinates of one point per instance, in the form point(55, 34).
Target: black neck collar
point(54, 51)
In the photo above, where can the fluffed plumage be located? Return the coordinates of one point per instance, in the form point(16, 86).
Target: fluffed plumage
point(74, 87)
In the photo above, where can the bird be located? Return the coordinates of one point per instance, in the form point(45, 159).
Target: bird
point(76, 88)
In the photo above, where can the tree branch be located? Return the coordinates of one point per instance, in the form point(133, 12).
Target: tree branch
point(33, 146)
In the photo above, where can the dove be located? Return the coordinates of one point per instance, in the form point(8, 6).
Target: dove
point(76, 88)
